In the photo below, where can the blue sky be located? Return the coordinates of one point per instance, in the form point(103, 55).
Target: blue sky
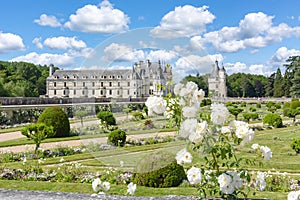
point(251, 36)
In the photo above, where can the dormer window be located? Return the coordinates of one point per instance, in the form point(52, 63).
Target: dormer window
point(66, 77)
point(94, 76)
point(84, 77)
point(56, 77)
point(75, 76)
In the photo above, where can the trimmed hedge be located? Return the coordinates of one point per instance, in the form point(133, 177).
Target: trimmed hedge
point(117, 137)
point(56, 117)
point(152, 173)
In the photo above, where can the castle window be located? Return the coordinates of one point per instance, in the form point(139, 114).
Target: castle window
point(101, 92)
point(65, 84)
point(93, 92)
point(82, 92)
point(128, 76)
point(101, 84)
point(74, 84)
point(104, 76)
point(118, 92)
point(109, 76)
point(83, 84)
point(54, 84)
point(110, 92)
point(119, 84)
point(66, 77)
point(93, 84)
point(128, 84)
point(128, 92)
point(113, 77)
point(110, 84)
point(74, 92)
point(54, 92)
point(64, 92)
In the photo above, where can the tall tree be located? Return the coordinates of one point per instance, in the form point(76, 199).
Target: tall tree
point(295, 89)
point(293, 63)
point(270, 85)
point(278, 84)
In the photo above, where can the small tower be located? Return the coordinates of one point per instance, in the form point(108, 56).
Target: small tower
point(217, 81)
point(51, 69)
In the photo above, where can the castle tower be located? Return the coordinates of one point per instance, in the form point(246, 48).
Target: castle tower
point(217, 81)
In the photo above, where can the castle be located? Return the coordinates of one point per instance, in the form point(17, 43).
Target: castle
point(144, 79)
point(217, 81)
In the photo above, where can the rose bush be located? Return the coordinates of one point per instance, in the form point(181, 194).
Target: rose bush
point(221, 173)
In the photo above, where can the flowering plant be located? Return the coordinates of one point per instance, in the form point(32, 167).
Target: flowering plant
point(221, 173)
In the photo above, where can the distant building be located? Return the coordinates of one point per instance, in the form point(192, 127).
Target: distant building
point(217, 81)
point(143, 80)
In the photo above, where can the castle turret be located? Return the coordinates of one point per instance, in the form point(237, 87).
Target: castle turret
point(51, 69)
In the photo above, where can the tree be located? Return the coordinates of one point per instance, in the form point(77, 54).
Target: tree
point(295, 89)
point(81, 114)
point(270, 85)
point(56, 117)
point(235, 112)
point(292, 66)
point(37, 132)
point(278, 84)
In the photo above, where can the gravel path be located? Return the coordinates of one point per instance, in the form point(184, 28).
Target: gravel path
point(40, 195)
point(74, 143)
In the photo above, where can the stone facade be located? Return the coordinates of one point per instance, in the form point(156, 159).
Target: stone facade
point(217, 81)
point(143, 80)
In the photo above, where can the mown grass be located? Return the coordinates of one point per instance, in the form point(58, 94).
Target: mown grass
point(120, 189)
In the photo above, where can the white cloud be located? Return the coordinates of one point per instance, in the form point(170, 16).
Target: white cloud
point(47, 20)
point(255, 31)
point(184, 21)
point(10, 42)
point(37, 42)
point(119, 53)
point(238, 67)
point(46, 59)
point(162, 55)
point(103, 19)
point(281, 55)
point(64, 43)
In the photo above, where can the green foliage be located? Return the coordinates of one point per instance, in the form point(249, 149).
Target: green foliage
point(248, 116)
point(107, 117)
point(56, 117)
point(37, 133)
point(21, 79)
point(273, 119)
point(294, 104)
point(296, 145)
point(258, 105)
point(235, 111)
point(159, 171)
point(81, 114)
point(252, 109)
point(138, 115)
point(205, 102)
point(117, 137)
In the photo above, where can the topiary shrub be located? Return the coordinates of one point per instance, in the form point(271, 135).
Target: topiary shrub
point(57, 118)
point(107, 117)
point(138, 115)
point(117, 137)
point(296, 145)
point(273, 119)
point(159, 170)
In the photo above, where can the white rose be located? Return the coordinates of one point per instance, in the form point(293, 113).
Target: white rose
point(194, 175)
point(188, 127)
point(219, 113)
point(183, 156)
point(189, 111)
point(199, 134)
point(131, 188)
point(177, 88)
point(96, 184)
point(266, 152)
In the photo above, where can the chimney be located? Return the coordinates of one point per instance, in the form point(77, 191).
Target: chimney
point(51, 69)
